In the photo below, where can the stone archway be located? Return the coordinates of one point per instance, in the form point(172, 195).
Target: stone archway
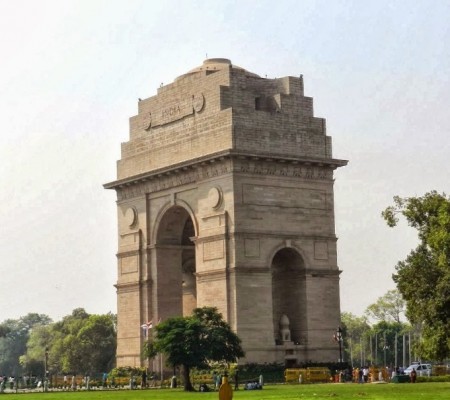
point(209, 154)
point(289, 294)
point(175, 264)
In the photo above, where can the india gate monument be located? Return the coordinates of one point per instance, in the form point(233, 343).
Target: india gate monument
point(225, 198)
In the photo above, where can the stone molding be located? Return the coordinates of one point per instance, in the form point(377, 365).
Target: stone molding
point(249, 234)
point(224, 163)
point(132, 286)
point(213, 275)
point(128, 253)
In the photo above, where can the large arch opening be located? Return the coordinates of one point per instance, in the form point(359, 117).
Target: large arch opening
point(177, 286)
point(288, 296)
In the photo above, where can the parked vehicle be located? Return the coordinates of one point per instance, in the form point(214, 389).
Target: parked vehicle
point(421, 369)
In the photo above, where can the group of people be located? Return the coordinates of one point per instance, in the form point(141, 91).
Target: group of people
point(4, 381)
point(217, 381)
point(365, 374)
point(13, 383)
point(72, 384)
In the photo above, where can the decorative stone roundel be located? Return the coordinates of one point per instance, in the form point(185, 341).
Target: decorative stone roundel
point(147, 121)
point(215, 197)
point(131, 217)
point(198, 102)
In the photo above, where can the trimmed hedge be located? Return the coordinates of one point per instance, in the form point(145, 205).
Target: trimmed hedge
point(442, 378)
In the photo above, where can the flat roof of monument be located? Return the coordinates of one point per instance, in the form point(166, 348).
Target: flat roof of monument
point(216, 64)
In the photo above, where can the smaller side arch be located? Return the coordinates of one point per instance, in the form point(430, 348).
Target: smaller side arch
point(287, 245)
point(288, 280)
point(162, 212)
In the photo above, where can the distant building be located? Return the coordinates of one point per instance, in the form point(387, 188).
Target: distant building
point(225, 198)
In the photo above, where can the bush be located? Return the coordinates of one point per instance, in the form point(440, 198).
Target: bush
point(442, 378)
point(126, 371)
point(272, 373)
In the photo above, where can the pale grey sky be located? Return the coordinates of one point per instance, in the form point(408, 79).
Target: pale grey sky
point(70, 76)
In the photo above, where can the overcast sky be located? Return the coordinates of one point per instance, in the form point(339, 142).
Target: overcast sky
point(70, 76)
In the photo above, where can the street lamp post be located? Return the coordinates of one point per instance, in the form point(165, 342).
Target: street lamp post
point(45, 385)
point(339, 339)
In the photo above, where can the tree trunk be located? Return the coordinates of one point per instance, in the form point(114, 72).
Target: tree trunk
point(187, 380)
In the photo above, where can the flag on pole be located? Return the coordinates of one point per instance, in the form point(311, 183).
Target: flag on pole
point(145, 327)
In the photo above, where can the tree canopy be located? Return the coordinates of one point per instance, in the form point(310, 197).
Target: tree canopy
point(15, 334)
point(423, 278)
point(79, 343)
point(4, 330)
point(389, 307)
point(378, 343)
point(195, 341)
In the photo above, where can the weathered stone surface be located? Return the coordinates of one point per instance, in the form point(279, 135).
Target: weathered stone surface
point(225, 198)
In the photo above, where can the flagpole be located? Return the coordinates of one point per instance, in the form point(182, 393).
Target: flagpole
point(351, 351)
point(404, 351)
point(361, 351)
point(161, 366)
point(396, 351)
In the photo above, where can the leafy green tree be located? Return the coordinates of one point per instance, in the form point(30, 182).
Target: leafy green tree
point(389, 307)
point(196, 340)
point(4, 330)
point(36, 346)
point(97, 340)
point(13, 344)
point(384, 346)
point(423, 278)
point(355, 331)
point(79, 343)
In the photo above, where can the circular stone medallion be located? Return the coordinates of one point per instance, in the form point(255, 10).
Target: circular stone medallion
point(198, 101)
point(215, 197)
point(131, 216)
point(147, 121)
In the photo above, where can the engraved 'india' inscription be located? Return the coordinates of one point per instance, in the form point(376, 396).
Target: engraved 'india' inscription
point(175, 110)
point(170, 112)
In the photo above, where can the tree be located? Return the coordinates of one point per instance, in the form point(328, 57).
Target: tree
point(354, 333)
point(4, 330)
point(13, 344)
point(423, 278)
point(98, 343)
point(80, 343)
point(386, 340)
point(387, 308)
point(196, 340)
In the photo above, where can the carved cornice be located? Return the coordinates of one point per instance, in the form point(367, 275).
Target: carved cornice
point(251, 234)
point(127, 253)
point(217, 274)
point(211, 238)
point(223, 163)
point(127, 287)
point(169, 246)
point(243, 269)
point(132, 286)
point(319, 273)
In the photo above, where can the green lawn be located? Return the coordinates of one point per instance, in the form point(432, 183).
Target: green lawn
point(425, 391)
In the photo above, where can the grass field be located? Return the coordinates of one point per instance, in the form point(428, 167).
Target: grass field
point(425, 391)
